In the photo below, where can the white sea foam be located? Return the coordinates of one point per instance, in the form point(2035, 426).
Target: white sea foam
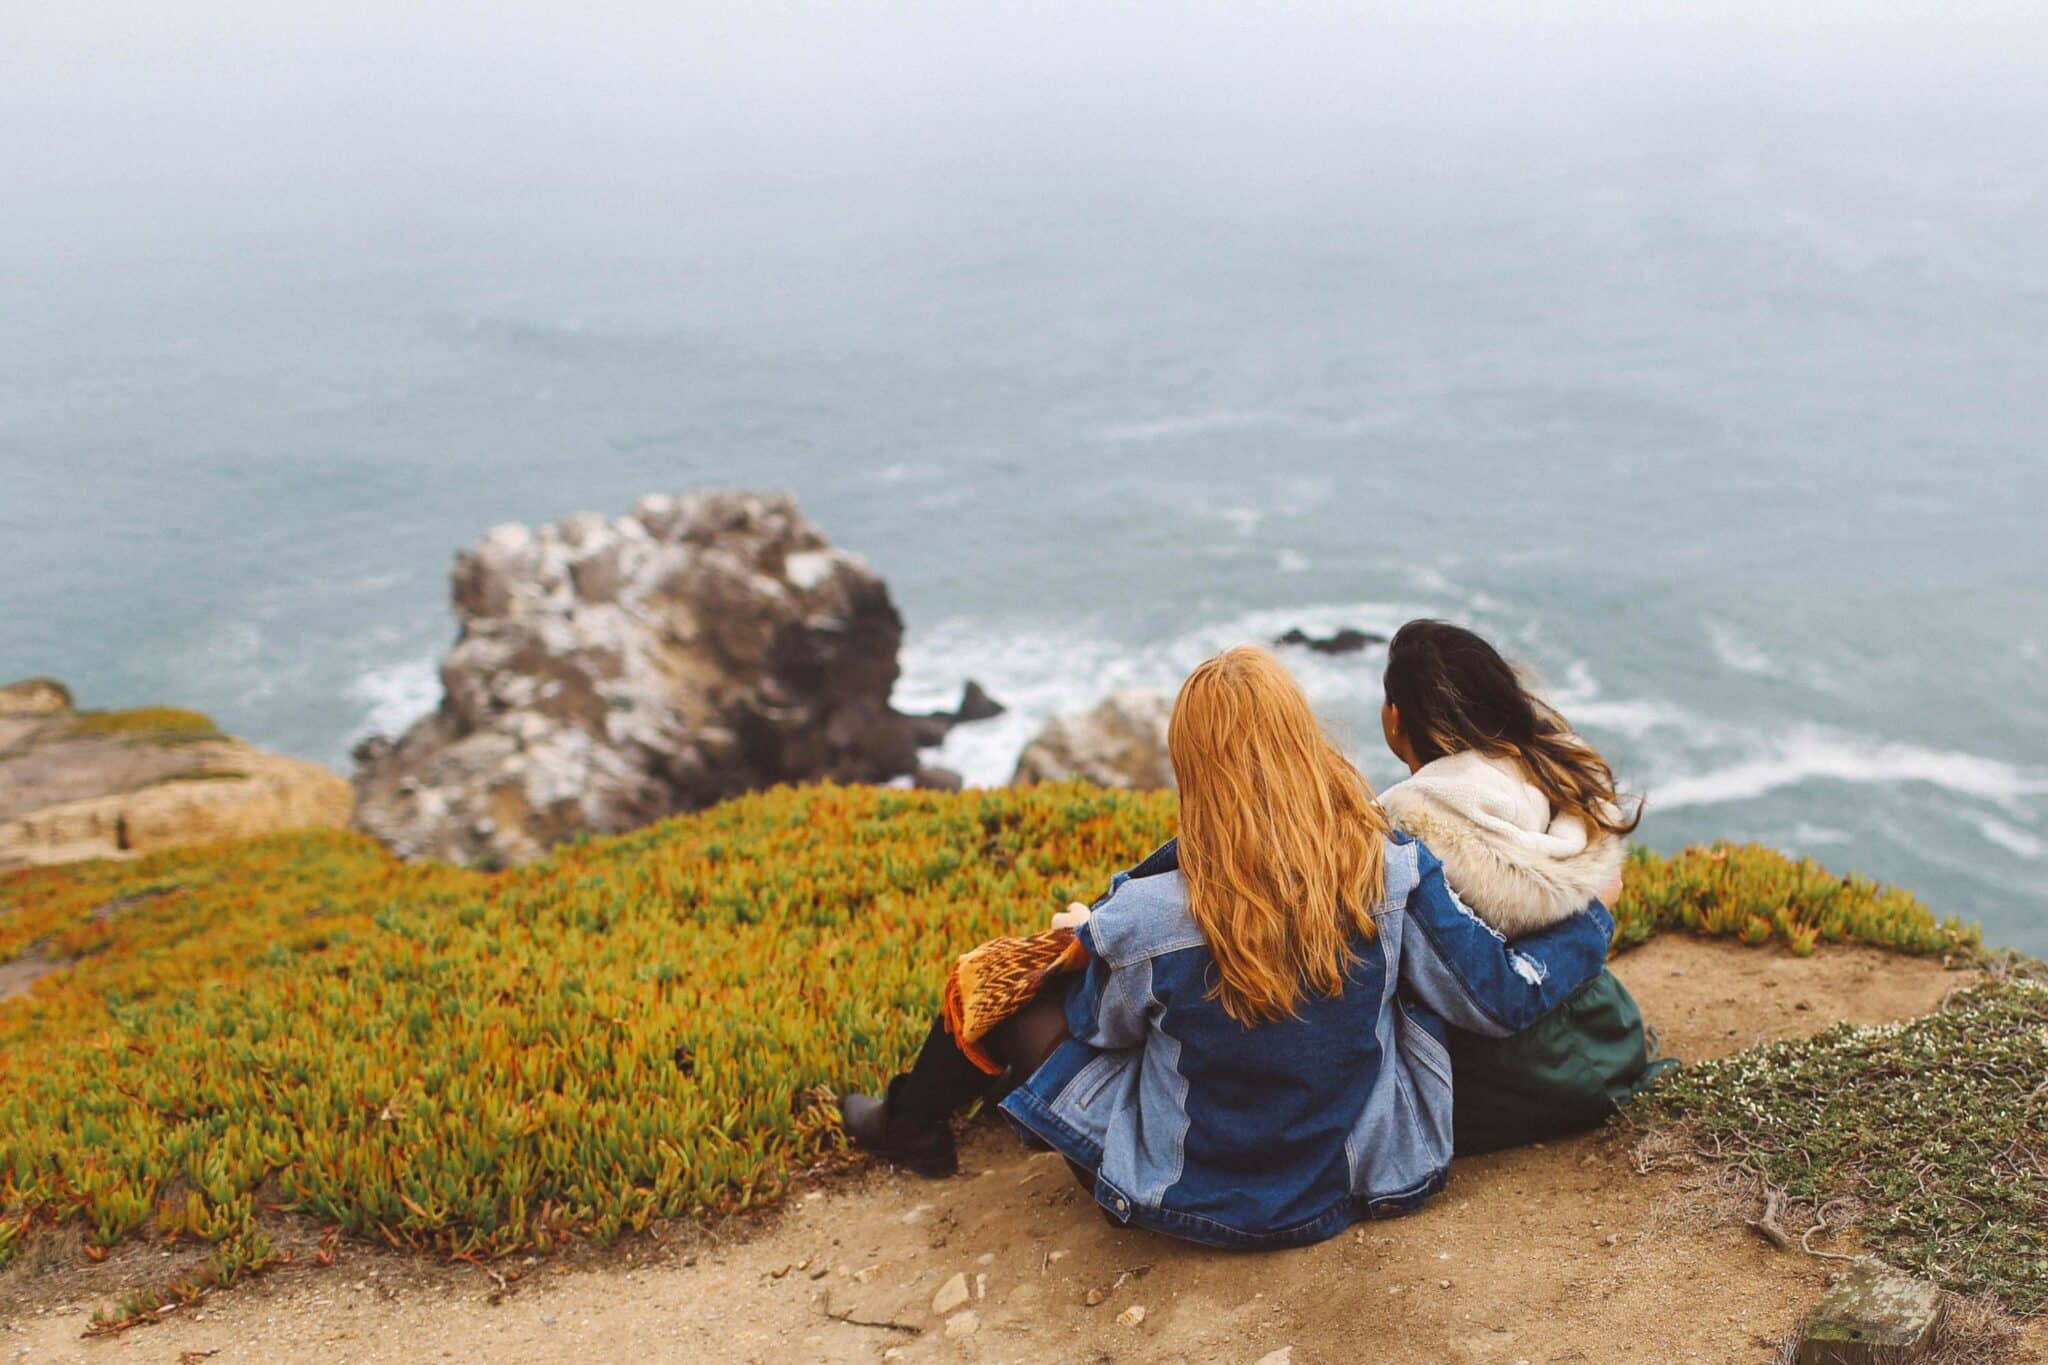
point(1814, 754)
point(1039, 669)
point(1738, 652)
point(1577, 688)
point(2010, 837)
point(1190, 425)
point(1224, 419)
point(397, 694)
point(1631, 719)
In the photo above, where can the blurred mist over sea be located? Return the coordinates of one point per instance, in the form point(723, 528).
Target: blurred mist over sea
point(1698, 359)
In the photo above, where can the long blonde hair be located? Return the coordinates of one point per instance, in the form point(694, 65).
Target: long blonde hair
point(1282, 846)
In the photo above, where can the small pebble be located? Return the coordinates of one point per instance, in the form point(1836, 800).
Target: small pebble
point(963, 1324)
point(1132, 1316)
point(952, 1294)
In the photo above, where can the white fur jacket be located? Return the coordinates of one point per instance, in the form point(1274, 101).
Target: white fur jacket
point(1505, 857)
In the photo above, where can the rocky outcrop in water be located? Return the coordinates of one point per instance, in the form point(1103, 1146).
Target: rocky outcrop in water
point(1348, 640)
point(612, 672)
point(1120, 743)
point(118, 784)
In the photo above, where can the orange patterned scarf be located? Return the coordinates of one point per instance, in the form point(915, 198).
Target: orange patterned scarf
point(1002, 976)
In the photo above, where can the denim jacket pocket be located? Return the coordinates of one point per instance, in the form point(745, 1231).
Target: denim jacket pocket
point(1094, 1078)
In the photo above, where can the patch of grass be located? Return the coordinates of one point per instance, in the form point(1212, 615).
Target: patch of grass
point(1759, 895)
point(160, 723)
point(1937, 1128)
point(476, 1063)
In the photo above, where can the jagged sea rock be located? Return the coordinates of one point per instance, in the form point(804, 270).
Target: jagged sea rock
point(119, 784)
point(976, 704)
point(1120, 743)
point(612, 672)
point(932, 727)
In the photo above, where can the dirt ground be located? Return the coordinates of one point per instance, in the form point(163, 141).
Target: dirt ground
point(1550, 1254)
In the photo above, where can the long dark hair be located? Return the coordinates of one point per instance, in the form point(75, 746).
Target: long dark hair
point(1455, 692)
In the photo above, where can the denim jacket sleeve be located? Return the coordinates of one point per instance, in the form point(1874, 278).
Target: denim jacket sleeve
point(1457, 966)
point(1109, 1006)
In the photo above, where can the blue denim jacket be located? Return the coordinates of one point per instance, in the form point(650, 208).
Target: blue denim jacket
point(1286, 1133)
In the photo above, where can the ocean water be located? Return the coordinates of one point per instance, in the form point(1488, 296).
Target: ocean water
point(1732, 430)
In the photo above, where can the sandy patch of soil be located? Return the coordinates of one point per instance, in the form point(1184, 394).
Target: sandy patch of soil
point(1561, 1253)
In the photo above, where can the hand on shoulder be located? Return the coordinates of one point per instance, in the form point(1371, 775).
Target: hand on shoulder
point(1073, 917)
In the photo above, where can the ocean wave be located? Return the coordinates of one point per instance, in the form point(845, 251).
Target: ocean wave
point(2010, 838)
point(395, 695)
point(1039, 669)
point(1225, 419)
point(1631, 719)
point(1191, 425)
point(1681, 759)
point(1818, 755)
point(1736, 651)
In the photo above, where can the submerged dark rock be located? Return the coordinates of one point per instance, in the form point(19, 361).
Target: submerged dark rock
point(1345, 641)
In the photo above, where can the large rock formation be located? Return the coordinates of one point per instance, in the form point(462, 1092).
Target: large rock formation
point(1121, 743)
point(609, 673)
point(118, 784)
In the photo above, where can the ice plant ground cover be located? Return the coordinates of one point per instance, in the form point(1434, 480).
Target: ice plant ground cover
point(640, 1027)
point(1936, 1130)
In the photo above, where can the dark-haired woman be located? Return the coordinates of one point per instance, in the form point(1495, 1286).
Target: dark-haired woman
point(1527, 821)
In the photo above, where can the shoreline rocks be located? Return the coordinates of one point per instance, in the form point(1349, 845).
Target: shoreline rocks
point(1120, 743)
point(609, 673)
point(119, 784)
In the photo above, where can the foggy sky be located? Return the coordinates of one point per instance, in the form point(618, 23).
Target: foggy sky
point(130, 131)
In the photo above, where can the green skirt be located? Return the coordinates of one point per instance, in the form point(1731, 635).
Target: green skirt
point(1572, 1069)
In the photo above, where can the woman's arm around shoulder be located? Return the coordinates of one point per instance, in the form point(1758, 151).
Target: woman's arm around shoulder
point(1460, 968)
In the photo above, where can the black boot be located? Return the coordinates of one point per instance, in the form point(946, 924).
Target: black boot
point(923, 1146)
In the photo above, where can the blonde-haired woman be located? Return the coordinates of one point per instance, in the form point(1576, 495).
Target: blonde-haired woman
point(1255, 1054)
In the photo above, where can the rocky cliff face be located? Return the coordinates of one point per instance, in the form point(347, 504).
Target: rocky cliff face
point(119, 784)
point(611, 672)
